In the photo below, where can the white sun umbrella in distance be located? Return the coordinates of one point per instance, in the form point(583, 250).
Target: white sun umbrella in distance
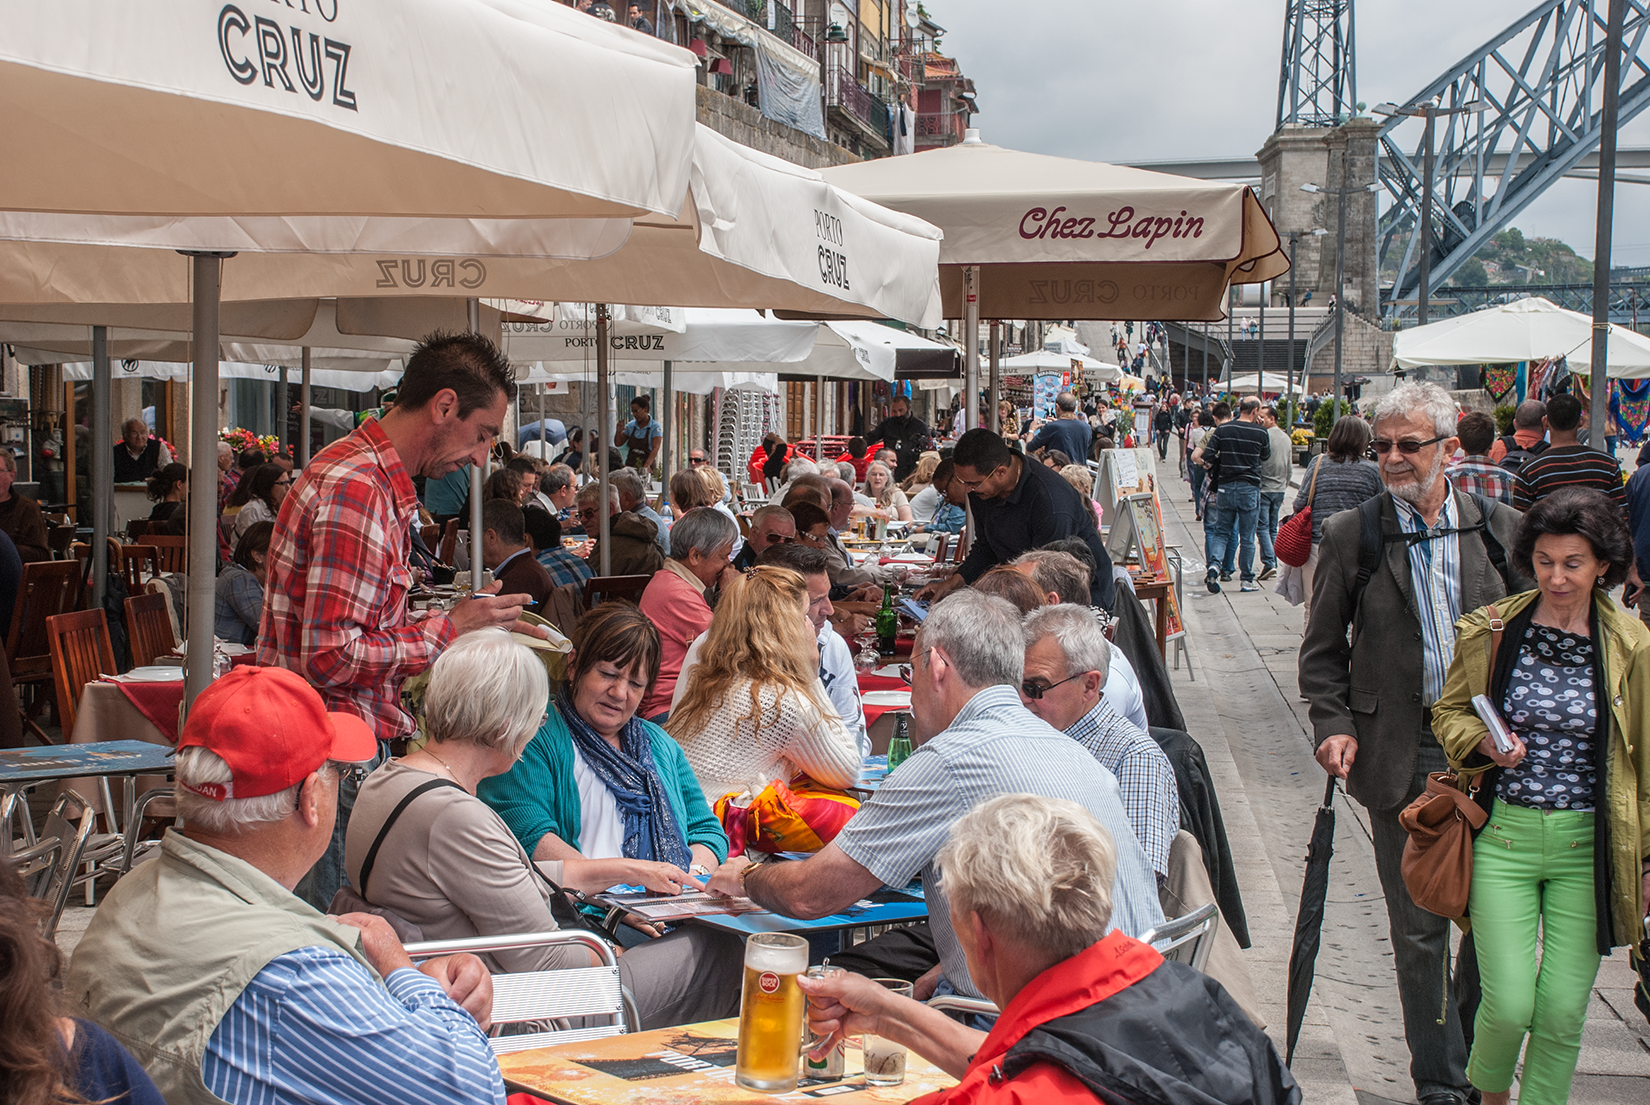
point(1038, 237)
point(1529, 329)
point(1043, 361)
point(1271, 383)
point(195, 107)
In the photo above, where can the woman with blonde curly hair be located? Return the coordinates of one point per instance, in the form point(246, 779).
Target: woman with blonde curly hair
point(751, 709)
point(922, 475)
point(880, 487)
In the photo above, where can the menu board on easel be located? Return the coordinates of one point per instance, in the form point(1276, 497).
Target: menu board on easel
point(1138, 528)
point(1123, 472)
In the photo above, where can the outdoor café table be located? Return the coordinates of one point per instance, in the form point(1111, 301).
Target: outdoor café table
point(126, 711)
point(885, 907)
point(687, 1065)
point(25, 767)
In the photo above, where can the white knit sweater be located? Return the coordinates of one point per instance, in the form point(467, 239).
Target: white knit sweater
point(731, 752)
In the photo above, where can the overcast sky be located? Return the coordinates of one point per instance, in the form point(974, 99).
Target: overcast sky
point(1171, 79)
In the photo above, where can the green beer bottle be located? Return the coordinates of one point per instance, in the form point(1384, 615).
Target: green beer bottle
point(887, 622)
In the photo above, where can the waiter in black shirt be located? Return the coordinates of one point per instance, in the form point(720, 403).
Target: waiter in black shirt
point(906, 435)
point(1019, 505)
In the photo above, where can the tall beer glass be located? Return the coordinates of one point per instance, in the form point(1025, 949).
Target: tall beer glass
point(770, 1013)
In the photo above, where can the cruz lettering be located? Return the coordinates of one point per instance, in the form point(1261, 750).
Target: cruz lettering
point(266, 54)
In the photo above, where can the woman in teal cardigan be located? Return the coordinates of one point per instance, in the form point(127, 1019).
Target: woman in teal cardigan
point(598, 783)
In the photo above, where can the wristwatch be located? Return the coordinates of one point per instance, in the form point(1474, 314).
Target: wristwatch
point(745, 874)
point(698, 869)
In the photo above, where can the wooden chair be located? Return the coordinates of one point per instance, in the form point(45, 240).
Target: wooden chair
point(942, 541)
point(600, 589)
point(81, 651)
point(148, 629)
point(137, 527)
point(172, 553)
point(449, 542)
point(138, 563)
point(59, 540)
point(48, 588)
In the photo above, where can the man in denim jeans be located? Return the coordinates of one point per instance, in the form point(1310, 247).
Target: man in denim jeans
point(1236, 451)
point(1274, 483)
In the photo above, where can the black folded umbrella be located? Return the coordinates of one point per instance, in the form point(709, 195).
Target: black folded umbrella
point(1303, 957)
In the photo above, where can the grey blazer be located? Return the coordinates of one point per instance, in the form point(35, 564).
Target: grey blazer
point(1369, 684)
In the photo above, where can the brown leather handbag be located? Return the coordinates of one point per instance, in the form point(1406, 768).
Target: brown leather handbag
point(1437, 862)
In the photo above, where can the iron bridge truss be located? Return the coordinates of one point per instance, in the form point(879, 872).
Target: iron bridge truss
point(1542, 78)
point(1318, 83)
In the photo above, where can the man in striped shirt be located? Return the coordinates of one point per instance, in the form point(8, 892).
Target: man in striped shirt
point(974, 741)
point(223, 983)
point(1567, 463)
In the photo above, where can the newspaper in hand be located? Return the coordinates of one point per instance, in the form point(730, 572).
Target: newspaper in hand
point(1491, 717)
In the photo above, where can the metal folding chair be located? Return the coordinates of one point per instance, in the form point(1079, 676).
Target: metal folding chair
point(83, 855)
point(1187, 939)
point(548, 995)
point(956, 1003)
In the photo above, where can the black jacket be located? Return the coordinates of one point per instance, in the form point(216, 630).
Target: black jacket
point(1137, 637)
point(1200, 816)
point(1173, 1038)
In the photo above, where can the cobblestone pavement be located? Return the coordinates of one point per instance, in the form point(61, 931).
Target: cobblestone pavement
point(1245, 710)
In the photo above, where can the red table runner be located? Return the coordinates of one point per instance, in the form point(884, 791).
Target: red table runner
point(870, 682)
point(159, 702)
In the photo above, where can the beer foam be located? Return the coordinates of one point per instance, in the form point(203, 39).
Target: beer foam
point(782, 961)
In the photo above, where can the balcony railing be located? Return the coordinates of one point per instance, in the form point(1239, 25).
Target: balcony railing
point(939, 124)
point(854, 98)
point(803, 41)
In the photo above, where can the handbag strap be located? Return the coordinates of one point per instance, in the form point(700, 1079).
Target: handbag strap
point(1312, 487)
point(389, 822)
point(1497, 628)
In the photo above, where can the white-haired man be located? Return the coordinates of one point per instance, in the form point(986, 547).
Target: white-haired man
point(974, 740)
point(228, 987)
point(1028, 887)
point(1068, 661)
point(1398, 571)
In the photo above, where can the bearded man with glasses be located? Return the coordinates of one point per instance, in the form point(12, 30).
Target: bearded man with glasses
point(1398, 572)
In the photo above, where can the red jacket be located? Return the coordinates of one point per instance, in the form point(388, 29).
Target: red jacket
point(860, 463)
point(1091, 976)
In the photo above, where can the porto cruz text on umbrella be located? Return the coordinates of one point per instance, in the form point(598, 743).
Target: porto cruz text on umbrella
point(833, 266)
point(408, 272)
point(256, 45)
point(1041, 223)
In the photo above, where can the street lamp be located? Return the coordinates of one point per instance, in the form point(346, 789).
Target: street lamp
point(1428, 111)
point(1340, 267)
point(1289, 368)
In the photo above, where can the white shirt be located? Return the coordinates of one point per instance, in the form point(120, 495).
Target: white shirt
point(1122, 689)
point(601, 829)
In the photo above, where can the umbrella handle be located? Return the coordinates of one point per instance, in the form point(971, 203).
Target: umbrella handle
point(1329, 793)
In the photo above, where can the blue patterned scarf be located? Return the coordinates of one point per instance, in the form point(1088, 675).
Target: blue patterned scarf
point(631, 776)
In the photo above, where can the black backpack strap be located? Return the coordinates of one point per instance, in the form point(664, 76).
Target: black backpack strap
point(1492, 544)
point(389, 822)
point(1370, 546)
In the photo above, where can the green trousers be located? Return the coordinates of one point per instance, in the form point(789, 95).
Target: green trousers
point(1532, 888)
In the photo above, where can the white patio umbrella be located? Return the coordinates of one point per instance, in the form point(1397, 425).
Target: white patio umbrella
point(1270, 383)
point(1037, 237)
point(1046, 361)
point(1530, 329)
point(193, 108)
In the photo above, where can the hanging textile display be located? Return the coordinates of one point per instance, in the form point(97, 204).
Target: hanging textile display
point(1544, 375)
point(1501, 381)
point(1630, 407)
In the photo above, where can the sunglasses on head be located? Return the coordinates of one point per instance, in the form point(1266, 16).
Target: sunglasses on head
point(1408, 448)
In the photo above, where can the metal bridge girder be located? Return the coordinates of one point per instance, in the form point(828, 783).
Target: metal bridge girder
point(1318, 81)
point(1542, 77)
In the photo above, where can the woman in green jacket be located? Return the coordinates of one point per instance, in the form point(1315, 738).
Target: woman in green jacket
point(598, 782)
point(1566, 841)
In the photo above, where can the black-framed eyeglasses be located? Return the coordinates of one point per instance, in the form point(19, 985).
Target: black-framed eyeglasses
point(1408, 448)
point(1035, 691)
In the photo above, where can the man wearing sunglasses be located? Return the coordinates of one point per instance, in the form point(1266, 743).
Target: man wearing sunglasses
point(1371, 698)
point(770, 526)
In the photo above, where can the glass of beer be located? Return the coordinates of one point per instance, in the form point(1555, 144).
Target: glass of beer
point(885, 1059)
point(770, 1013)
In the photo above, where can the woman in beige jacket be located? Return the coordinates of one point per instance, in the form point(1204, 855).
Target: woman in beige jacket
point(1561, 863)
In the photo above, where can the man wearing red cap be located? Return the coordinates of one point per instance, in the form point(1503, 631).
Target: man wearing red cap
point(225, 984)
point(335, 609)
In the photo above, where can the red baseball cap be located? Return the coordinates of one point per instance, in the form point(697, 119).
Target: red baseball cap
point(272, 729)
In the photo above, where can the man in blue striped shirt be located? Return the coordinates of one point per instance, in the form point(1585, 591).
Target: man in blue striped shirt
point(226, 985)
point(974, 741)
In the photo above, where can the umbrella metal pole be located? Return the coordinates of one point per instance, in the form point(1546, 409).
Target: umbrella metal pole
point(995, 353)
point(103, 463)
point(544, 429)
point(303, 413)
point(1597, 427)
point(478, 473)
point(667, 408)
point(281, 411)
point(203, 444)
point(971, 346)
point(819, 417)
point(604, 413)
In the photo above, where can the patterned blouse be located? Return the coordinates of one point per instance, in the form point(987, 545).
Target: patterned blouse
point(1551, 705)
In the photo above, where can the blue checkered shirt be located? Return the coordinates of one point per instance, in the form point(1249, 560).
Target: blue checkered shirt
point(993, 746)
point(564, 567)
point(1435, 577)
point(1144, 775)
point(1482, 475)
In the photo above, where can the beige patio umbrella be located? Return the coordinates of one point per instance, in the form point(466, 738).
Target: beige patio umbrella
point(1037, 237)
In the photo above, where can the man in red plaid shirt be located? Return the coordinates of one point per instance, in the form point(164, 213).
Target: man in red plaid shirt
point(1475, 471)
point(335, 608)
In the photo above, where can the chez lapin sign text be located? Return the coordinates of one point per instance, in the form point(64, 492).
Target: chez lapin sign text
point(1041, 223)
point(256, 46)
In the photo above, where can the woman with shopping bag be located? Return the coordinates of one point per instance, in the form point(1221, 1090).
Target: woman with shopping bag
point(1560, 863)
